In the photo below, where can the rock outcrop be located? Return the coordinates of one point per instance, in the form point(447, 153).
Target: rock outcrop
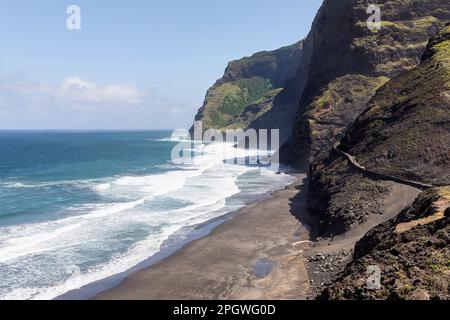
point(349, 63)
point(411, 252)
point(404, 132)
point(366, 110)
point(248, 88)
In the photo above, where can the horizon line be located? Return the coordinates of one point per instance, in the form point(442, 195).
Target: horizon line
point(87, 130)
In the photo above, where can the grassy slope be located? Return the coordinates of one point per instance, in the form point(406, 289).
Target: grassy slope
point(246, 82)
point(345, 48)
point(230, 99)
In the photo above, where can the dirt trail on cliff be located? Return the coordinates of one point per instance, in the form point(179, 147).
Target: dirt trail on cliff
point(328, 257)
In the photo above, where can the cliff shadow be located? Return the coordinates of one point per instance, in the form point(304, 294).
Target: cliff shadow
point(300, 210)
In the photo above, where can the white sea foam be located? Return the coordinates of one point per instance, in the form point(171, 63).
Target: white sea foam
point(118, 264)
point(102, 186)
point(21, 246)
point(28, 184)
point(83, 237)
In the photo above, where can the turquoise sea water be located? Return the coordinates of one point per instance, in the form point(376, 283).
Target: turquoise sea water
point(77, 207)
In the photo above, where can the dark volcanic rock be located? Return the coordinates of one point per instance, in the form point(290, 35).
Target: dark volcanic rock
point(447, 212)
point(404, 132)
point(285, 105)
point(278, 65)
point(349, 63)
point(411, 251)
point(250, 81)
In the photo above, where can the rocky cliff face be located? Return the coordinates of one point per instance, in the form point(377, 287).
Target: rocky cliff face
point(248, 88)
point(380, 97)
point(350, 62)
point(404, 132)
point(286, 103)
point(411, 252)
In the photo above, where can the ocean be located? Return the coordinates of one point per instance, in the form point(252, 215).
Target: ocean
point(79, 207)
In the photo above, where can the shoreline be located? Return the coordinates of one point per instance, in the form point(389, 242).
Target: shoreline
point(92, 289)
point(268, 250)
point(256, 253)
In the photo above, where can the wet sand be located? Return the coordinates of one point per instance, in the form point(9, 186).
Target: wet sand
point(258, 254)
point(266, 251)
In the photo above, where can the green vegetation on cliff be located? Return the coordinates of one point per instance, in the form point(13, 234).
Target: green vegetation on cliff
point(333, 110)
point(346, 53)
point(248, 88)
point(404, 132)
point(406, 128)
point(231, 98)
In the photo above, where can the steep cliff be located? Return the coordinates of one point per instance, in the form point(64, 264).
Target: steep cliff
point(248, 88)
point(404, 132)
point(411, 252)
point(349, 63)
point(286, 103)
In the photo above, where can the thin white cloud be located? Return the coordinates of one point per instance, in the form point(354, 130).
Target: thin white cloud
point(77, 103)
point(70, 92)
point(83, 91)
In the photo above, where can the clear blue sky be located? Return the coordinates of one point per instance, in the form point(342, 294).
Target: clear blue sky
point(134, 64)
